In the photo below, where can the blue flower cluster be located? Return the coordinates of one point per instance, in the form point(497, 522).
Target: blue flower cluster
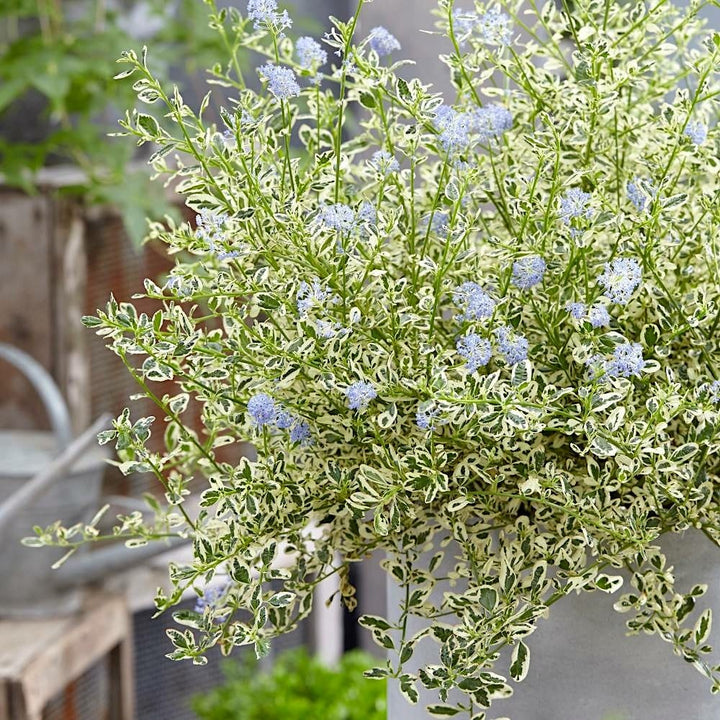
point(338, 217)
point(491, 121)
point(314, 293)
point(282, 81)
point(574, 203)
point(512, 346)
point(310, 53)
point(265, 411)
point(457, 130)
point(494, 26)
point(262, 409)
point(627, 361)
point(528, 271)
point(212, 228)
point(384, 163)
point(696, 131)
point(360, 394)
point(620, 279)
point(211, 597)
point(382, 41)
point(265, 12)
point(475, 302)
point(640, 192)
point(597, 316)
point(476, 350)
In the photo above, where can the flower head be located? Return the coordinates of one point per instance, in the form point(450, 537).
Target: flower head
point(300, 432)
point(491, 121)
point(599, 316)
point(382, 41)
point(367, 213)
point(384, 163)
point(455, 128)
point(476, 303)
point(282, 81)
point(360, 394)
point(513, 347)
point(713, 391)
point(262, 409)
point(627, 360)
point(574, 203)
point(577, 310)
point(265, 12)
point(338, 217)
point(476, 350)
point(495, 27)
point(310, 53)
point(326, 329)
point(640, 192)
point(425, 416)
point(528, 271)
point(696, 131)
point(620, 279)
point(314, 293)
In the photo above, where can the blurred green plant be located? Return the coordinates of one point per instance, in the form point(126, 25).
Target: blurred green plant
point(297, 687)
point(58, 57)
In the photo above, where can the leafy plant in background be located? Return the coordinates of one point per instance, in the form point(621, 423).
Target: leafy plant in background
point(296, 687)
point(481, 326)
point(58, 60)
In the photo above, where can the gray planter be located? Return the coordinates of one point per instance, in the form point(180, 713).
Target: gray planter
point(584, 667)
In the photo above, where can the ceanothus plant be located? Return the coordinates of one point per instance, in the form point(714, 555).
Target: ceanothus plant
point(480, 327)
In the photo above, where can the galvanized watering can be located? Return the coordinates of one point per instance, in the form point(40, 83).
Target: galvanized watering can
point(45, 477)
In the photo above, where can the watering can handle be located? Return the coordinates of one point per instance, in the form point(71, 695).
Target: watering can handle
point(46, 388)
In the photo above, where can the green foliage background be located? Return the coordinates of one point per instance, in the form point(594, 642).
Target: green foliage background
point(298, 687)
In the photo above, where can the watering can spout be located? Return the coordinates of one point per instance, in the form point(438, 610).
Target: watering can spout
point(98, 565)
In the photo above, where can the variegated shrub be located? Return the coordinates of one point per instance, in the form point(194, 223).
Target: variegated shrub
point(484, 323)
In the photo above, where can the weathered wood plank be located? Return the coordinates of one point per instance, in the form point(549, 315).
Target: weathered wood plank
point(38, 658)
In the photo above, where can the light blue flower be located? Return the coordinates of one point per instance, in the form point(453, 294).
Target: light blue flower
point(491, 121)
point(599, 316)
point(338, 217)
point(696, 131)
point(620, 279)
point(528, 271)
point(360, 394)
point(577, 310)
point(367, 213)
point(640, 192)
point(512, 346)
point(495, 27)
point(627, 360)
point(310, 53)
point(300, 432)
point(265, 12)
point(574, 203)
point(384, 163)
point(382, 41)
point(262, 409)
point(476, 350)
point(455, 128)
point(314, 293)
point(282, 81)
point(474, 301)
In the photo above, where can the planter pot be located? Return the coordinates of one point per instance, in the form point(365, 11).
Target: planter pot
point(583, 666)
